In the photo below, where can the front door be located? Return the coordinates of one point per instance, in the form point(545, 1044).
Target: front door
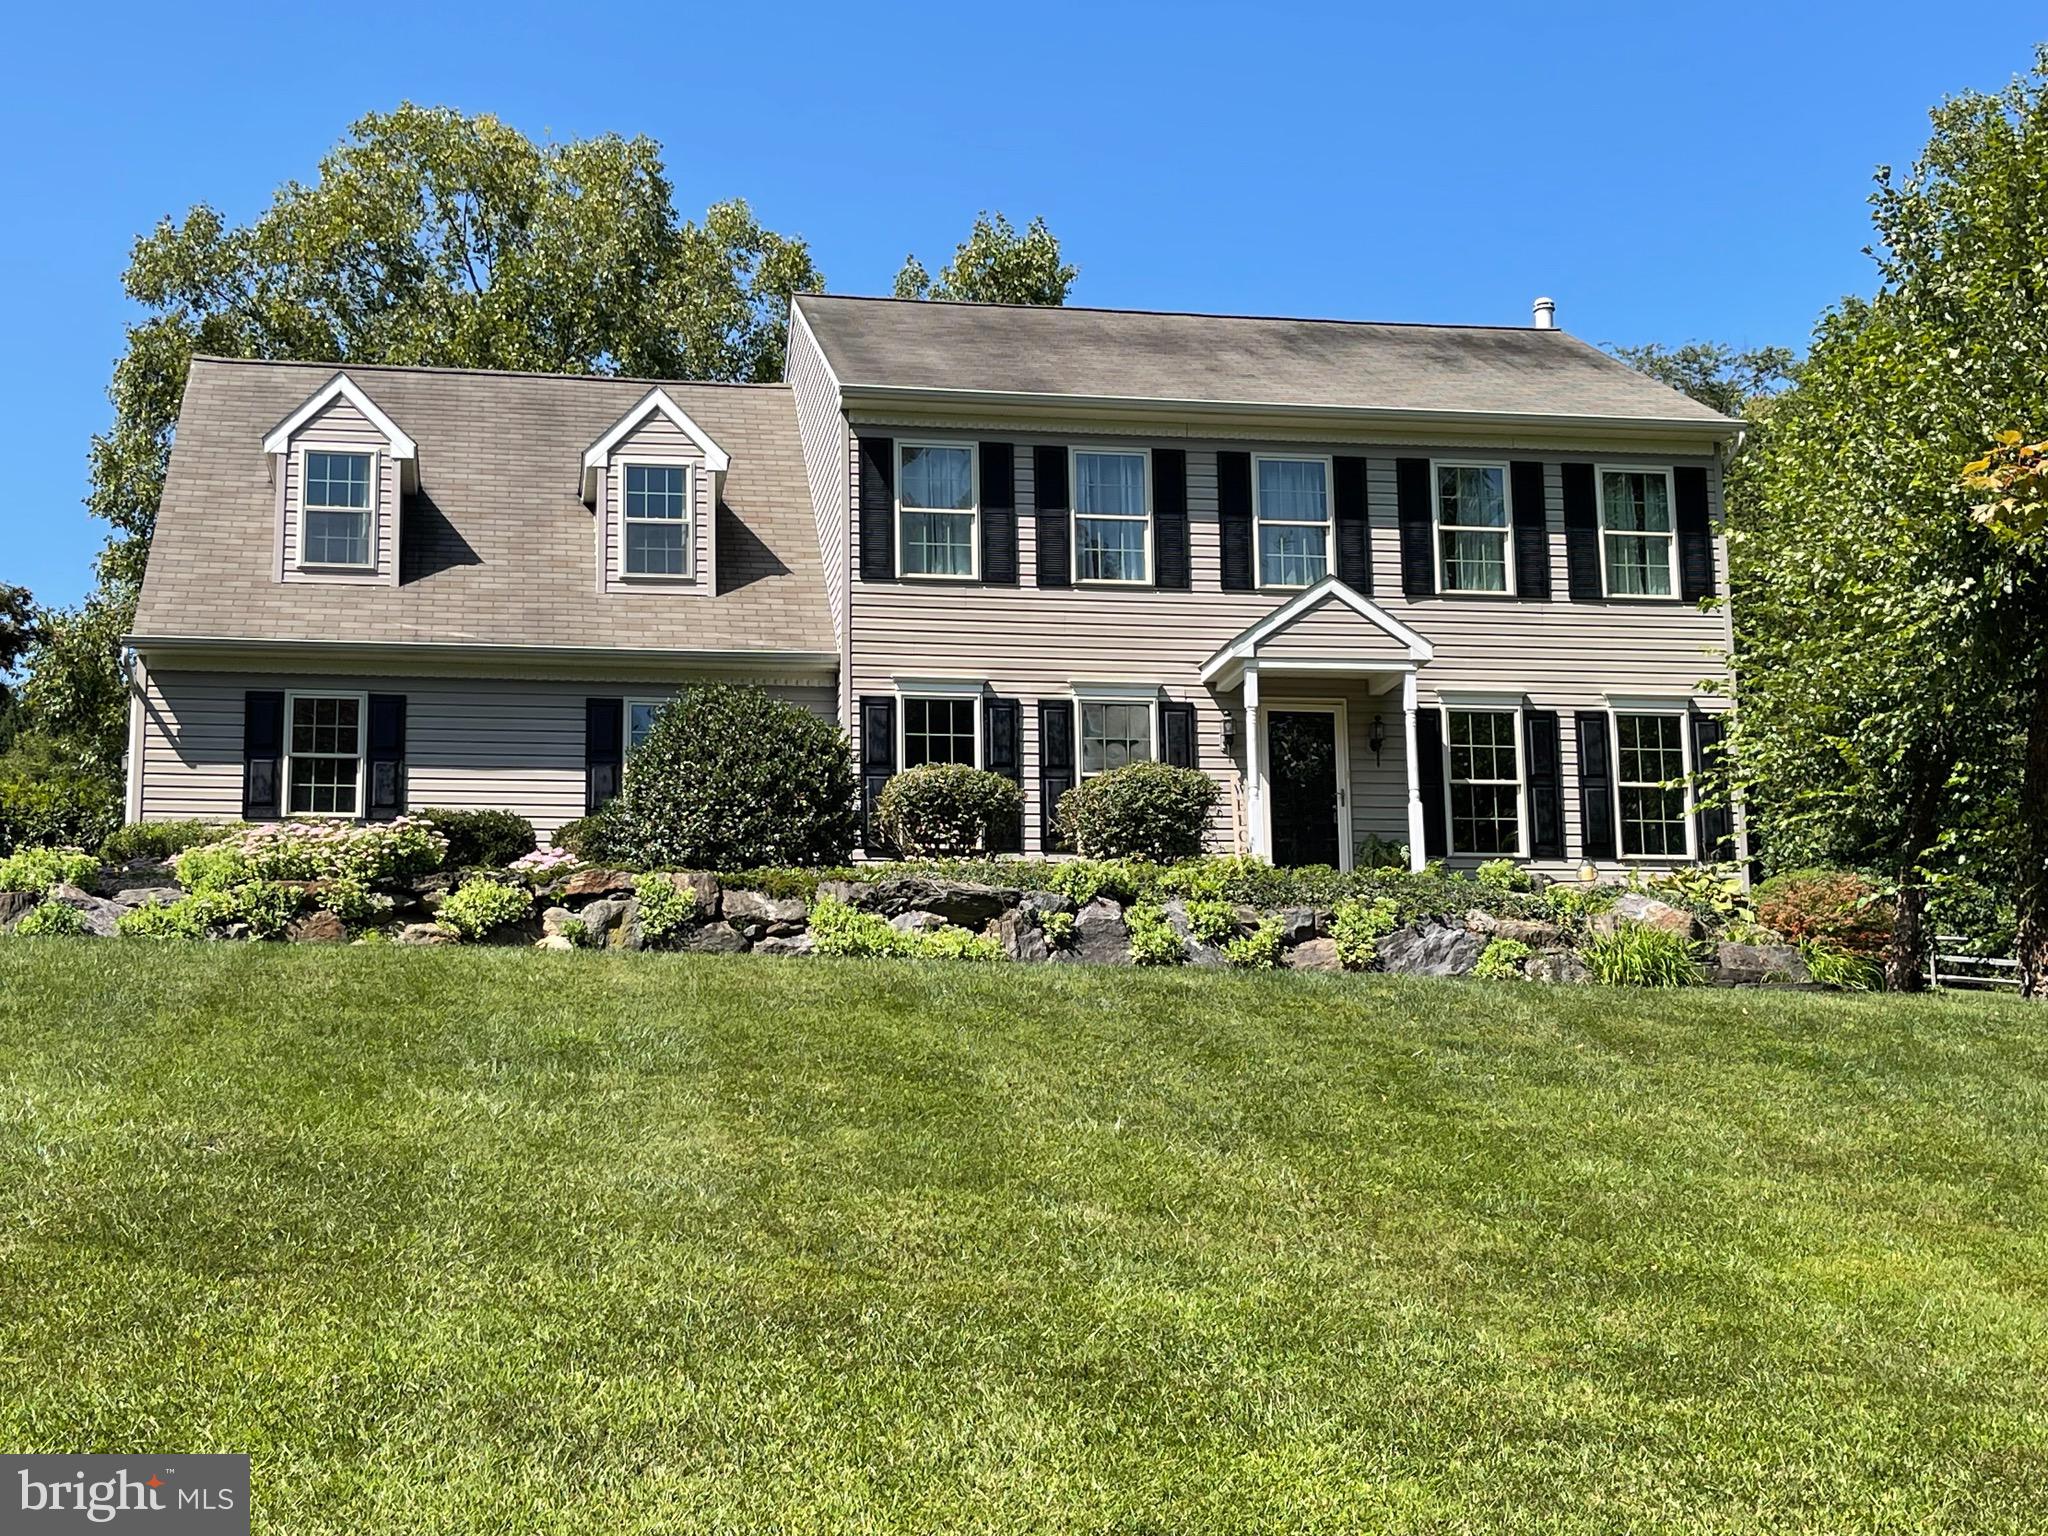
point(1302, 744)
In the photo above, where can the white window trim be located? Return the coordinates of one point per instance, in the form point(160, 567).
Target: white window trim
point(626, 720)
point(653, 461)
point(1682, 713)
point(1347, 832)
point(291, 704)
point(973, 513)
point(1479, 705)
point(1113, 693)
point(1328, 524)
point(1507, 533)
point(1075, 514)
point(374, 510)
point(933, 690)
point(1600, 474)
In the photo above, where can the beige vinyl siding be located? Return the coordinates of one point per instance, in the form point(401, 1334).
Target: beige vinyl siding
point(1030, 644)
point(657, 440)
point(822, 426)
point(471, 744)
point(1332, 632)
point(342, 427)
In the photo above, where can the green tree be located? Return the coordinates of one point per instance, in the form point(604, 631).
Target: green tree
point(20, 628)
point(1723, 378)
point(995, 265)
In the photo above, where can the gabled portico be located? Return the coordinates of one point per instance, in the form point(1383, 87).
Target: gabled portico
point(1331, 635)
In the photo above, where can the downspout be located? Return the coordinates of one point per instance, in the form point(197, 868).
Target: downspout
point(136, 676)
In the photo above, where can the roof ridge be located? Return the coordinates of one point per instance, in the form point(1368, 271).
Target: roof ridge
point(1184, 314)
point(487, 373)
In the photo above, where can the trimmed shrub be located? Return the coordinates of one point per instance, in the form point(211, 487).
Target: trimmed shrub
point(482, 839)
point(785, 884)
point(267, 906)
point(1153, 941)
point(1358, 926)
point(1376, 852)
point(1636, 955)
point(1082, 880)
point(479, 907)
point(51, 920)
point(37, 869)
point(573, 836)
point(189, 917)
point(1502, 875)
point(665, 907)
point(1836, 906)
point(1258, 950)
point(1569, 906)
point(948, 808)
point(313, 850)
point(730, 776)
point(1140, 811)
point(1502, 960)
point(1232, 878)
point(164, 839)
point(45, 797)
point(1212, 921)
point(839, 929)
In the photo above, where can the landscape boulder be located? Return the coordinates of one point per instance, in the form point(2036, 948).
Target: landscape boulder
point(1559, 966)
point(1021, 937)
point(555, 920)
point(1526, 930)
point(1645, 910)
point(916, 922)
point(1430, 949)
point(785, 944)
point(597, 882)
point(319, 926)
point(1101, 936)
point(1298, 925)
point(719, 938)
point(756, 913)
point(100, 914)
point(424, 933)
point(1753, 965)
point(1312, 955)
point(1192, 950)
point(15, 905)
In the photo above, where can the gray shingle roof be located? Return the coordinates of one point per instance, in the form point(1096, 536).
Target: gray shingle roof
point(498, 549)
point(1234, 359)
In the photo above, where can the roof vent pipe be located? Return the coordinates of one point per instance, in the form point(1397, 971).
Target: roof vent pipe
point(1545, 311)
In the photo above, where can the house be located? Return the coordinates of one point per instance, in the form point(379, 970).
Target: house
point(1431, 585)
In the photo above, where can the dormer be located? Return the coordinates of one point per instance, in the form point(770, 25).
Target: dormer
point(653, 482)
point(342, 469)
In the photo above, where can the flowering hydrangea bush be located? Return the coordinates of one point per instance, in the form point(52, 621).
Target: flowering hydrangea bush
point(544, 863)
point(314, 850)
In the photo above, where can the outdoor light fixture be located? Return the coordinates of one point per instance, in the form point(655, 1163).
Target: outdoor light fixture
point(1229, 731)
point(1378, 738)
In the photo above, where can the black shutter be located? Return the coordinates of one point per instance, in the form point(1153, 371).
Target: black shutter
point(998, 514)
point(1532, 532)
point(604, 751)
point(1354, 534)
point(1055, 524)
point(1234, 519)
point(877, 764)
point(1418, 552)
point(1429, 778)
point(1546, 784)
point(877, 509)
point(1581, 532)
point(1055, 767)
point(1000, 753)
point(1695, 533)
point(1596, 787)
point(1710, 780)
point(1170, 519)
point(385, 755)
point(1177, 735)
point(262, 755)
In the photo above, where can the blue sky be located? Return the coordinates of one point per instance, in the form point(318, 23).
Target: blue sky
point(1666, 173)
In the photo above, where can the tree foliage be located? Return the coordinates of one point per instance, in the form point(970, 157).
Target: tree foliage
point(1723, 378)
point(995, 265)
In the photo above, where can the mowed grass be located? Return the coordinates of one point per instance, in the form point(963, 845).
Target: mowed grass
point(460, 1241)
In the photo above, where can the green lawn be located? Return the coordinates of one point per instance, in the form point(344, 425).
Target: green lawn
point(504, 1241)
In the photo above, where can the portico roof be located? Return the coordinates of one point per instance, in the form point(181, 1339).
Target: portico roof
point(1329, 627)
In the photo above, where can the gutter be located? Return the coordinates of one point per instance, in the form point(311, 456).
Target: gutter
point(814, 661)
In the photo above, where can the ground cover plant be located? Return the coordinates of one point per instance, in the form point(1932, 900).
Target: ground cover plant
point(501, 1240)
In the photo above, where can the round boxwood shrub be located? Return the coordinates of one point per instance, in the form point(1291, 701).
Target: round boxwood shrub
point(1142, 811)
point(732, 778)
point(941, 809)
point(482, 839)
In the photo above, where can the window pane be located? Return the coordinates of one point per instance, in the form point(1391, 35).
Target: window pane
point(324, 786)
point(1475, 562)
point(1110, 484)
point(1636, 503)
point(938, 731)
point(1485, 782)
point(337, 538)
point(1639, 565)
point(654, 549)
point(1113, 735)
point(1471, 497)
point(1292, 490)
point(656, 490)
point(938, 478)
point(1110, 549)
point(329, 732)
point(337, 479)
point(639, 721)
point(1652, 821)
point(938, 543)
point(1485, 818)
point(1291, 556)
point(1651, 754)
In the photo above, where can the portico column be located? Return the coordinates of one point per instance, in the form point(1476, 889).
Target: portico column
point(1415, 853)
point(1254, 765)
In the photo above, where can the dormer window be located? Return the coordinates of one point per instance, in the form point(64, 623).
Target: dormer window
point(657, 517)
point(337, 508)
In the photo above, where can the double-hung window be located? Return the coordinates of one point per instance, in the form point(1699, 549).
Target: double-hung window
point(325, 754)
point(1651, 784)
point(1472, 528)
point(1112, 521)
point(1485, 781)
point(1291, 498)
point(640, 715)
point(1638, 548)
point(1114, 733)
point(937, 510)
point(336, 515)
point(657, 520)
point(940, 730)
